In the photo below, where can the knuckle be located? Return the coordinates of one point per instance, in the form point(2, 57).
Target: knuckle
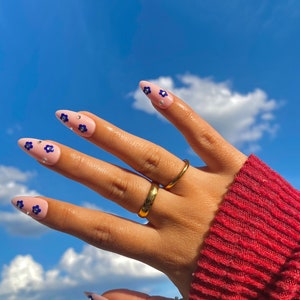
point(118, 189)
point(102, 238)
point(208, 140)
point(150, 162)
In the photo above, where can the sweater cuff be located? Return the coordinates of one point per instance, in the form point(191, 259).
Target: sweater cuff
point(253, 244)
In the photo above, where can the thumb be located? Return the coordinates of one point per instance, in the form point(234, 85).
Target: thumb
point(123, 294)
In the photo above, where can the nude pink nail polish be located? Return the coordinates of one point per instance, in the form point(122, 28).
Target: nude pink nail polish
point(158, 96)
point(34, 207)
point(44, 151)
point(80, 123)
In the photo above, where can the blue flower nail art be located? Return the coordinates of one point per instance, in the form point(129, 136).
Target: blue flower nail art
point(36, 209)
point(82, 128)
point(20, 204)
point(90, 297)
point(64, 118)
point(28, 146)
point(163, 93)
point(147, 90)
point(49, 148)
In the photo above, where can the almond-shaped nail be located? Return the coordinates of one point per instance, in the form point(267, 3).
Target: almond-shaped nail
point(44, 151)
point(80, 123)
point(93, 296)
point(32, 206)
point(158, 96)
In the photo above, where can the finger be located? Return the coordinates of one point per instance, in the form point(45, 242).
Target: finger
point(125, 188)
point(97, 228)
point(206, 141)
point(123, 294)
point(143, 156)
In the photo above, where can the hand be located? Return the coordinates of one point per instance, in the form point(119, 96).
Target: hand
point(179, 219)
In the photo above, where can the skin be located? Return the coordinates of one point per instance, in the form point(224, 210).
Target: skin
point(179, 219)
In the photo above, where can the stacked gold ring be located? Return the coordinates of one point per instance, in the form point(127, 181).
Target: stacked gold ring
point(175, 180)
point(144, 211)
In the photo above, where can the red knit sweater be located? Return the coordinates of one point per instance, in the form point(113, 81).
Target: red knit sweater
point(253, 249)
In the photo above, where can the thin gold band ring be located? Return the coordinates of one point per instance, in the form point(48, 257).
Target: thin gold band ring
point(175, 180)
point(144, 211)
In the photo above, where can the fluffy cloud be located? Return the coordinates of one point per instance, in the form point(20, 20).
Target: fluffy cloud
point(18, 224)
point(242, 119)
point(24, 278)
point(13, 182)
point(91, 269)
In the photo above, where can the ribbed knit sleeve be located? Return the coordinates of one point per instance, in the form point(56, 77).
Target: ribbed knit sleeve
point(252, 250)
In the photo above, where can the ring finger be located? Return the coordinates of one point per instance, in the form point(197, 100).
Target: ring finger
point(122, 186)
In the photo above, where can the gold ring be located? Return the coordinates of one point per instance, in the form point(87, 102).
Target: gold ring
point(175, 180)
point(144, 211)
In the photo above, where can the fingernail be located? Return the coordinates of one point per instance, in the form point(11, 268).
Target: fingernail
point(43, 151)
point(81, 124)
point(34, 207)
point(157, 95)
point(93, 296)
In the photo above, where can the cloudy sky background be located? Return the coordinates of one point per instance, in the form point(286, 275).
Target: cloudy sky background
point(236, 63)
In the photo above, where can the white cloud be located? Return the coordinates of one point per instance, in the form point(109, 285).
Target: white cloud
point(92, 261)
point(19, 224)
point(90, 205)
point(12, 183)
point(243, 119)
point(21, 274)
point(25, 279)
point(91, 269)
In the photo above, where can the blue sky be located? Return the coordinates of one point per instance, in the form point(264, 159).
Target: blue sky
point(236, 62)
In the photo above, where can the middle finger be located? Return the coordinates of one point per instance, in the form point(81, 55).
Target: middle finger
point(145, 157)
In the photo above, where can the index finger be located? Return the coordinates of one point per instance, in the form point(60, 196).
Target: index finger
point(202, 137)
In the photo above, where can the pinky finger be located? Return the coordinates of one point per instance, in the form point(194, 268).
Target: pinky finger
point(97, 228)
